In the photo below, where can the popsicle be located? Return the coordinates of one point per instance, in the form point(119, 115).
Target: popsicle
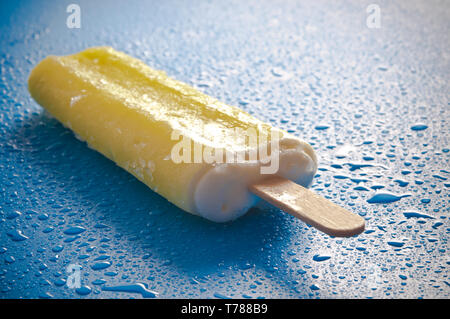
point(206, 157)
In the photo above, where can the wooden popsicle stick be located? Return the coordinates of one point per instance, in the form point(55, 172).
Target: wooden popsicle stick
point(311, 208)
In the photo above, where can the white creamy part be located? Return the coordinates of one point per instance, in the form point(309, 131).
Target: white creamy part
point(221, 194)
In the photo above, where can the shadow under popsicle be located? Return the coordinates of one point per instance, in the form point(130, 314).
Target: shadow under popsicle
point(141, 222)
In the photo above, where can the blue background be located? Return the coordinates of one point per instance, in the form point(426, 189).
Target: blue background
point(374, 103)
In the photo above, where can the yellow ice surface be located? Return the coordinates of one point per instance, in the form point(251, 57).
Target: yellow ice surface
point(127, 111)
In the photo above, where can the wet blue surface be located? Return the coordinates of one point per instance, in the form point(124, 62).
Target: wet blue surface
point(374, 103)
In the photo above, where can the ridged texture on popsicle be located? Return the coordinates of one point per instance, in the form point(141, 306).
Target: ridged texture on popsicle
point(127, 111)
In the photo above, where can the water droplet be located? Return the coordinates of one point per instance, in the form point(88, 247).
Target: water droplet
point(321, 258)
point(83, 290)
point(13, 214)
point(321, 127)
point(101, 265)
point(314, 287)
point(396, 243)
point(385, 198)
point(133, 288)
point(16, 235)
point(416, 215)
point(221, 296)
point(419, 127)
point(75, 230)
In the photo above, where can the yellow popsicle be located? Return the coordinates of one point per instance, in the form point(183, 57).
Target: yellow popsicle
point(137, 117)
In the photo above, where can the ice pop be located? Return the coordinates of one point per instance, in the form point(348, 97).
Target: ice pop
point(137, 116)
